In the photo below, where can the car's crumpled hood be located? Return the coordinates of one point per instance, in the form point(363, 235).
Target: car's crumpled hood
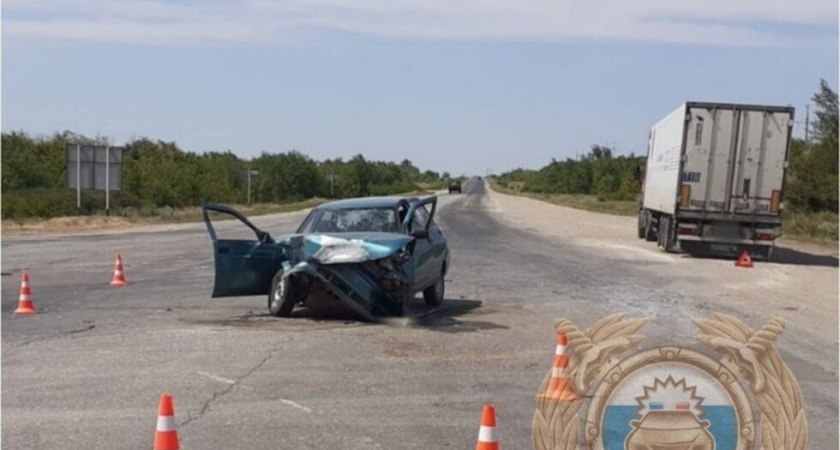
point(338, 248)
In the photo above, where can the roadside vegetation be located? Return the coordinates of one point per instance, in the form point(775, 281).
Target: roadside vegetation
point(161, 182)
point(602, 182)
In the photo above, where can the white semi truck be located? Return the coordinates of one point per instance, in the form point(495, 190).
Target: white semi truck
point(715, 178)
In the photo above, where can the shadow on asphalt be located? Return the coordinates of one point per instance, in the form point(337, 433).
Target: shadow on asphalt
point(447, 318)
point(782, 255)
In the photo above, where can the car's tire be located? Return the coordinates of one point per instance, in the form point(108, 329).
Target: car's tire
point(281, 302)
point(434, 294)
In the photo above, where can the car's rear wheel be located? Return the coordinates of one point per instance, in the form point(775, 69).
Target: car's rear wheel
point(433, 295)
point(281, 302)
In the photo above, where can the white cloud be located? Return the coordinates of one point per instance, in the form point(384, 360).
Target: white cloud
point(717, 22)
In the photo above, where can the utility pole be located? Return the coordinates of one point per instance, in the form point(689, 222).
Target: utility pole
point(249, 184)
point(807, 122)
point(79, 177)
point(107, 180)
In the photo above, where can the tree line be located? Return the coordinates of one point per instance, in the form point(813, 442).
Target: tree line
point(595, 173)
point(160, 174)
point(811, 180)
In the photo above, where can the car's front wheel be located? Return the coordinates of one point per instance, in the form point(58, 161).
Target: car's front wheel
point(280, 299)
point(433, 295)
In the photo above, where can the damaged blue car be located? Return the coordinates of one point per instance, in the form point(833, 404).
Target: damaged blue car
point(368, 255)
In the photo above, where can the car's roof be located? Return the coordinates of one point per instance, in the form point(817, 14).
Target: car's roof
point(365, 202)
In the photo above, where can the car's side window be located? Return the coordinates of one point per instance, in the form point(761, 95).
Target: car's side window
point(421, 217)
point(229, 228)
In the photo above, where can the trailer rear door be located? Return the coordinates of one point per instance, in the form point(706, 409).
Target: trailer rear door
point(759, 165)
point(734, 159)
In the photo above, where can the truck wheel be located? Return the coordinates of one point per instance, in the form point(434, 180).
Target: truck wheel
point(641, 227)
point(650, 230)
point(281, 302)
point(664, 235)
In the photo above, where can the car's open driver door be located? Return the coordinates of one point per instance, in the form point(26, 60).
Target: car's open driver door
point(244, 264)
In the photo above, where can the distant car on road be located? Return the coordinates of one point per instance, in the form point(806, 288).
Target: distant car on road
point(371, 255)
point(455, 186)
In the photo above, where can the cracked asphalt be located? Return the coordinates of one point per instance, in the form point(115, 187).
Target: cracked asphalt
point(88, 371)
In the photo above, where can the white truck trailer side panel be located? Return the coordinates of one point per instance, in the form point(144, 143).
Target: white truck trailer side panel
point(663, 162)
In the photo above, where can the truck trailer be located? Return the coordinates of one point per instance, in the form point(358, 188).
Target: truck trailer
point(715, 178)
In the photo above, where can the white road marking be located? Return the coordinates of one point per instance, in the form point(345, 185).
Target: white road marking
point(295, 405)
point(216, 377)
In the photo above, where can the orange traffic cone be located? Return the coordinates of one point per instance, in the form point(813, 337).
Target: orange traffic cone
point(119, 278)
point(166, 436)
point(487, 432)
point(559, 385)
point(25, 302)
point(744, 260)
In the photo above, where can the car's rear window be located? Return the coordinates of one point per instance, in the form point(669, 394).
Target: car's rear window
point(351, 220)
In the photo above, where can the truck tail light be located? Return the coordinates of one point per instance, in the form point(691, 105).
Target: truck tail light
point(685, 195)
point(775, 201)
point(684, 231)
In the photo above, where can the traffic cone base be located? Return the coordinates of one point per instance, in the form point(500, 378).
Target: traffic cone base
point(744, 260)
point(166, 436)
point(25, 306)
point(487, 432)
point(119, 277)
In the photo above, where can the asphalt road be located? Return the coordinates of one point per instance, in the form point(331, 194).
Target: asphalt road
point(88, 371)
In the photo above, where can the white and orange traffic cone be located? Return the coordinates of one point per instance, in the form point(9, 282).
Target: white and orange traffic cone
point(559, 385)
point(744, 260)
point(166, 436)
point(119, 277)
point(25, 305)
point(487, 433)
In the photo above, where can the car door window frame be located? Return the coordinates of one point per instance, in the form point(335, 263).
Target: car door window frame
point(207, 207)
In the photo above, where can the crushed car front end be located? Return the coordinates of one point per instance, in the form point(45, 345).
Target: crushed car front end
point(370, 277)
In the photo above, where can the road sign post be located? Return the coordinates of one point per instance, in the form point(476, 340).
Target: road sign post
point(248, 174)
point(331, 178)
point(90, 167)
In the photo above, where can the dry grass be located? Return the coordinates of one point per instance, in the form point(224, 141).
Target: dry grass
point(819, 227)
point(130, 218)
point(584, 202)
point(165, 215)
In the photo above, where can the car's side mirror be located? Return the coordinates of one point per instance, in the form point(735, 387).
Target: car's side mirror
point(420, 234)
point(264, 237)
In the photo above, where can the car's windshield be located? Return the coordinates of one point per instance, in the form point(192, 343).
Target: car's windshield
point(350, 220)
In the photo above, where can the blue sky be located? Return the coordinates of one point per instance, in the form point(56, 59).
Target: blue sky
point(459, 87)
